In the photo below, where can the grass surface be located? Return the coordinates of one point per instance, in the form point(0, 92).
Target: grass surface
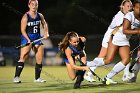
point(59, 82)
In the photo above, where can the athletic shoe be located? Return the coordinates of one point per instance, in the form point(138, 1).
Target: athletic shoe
point(89, 78)
point(126, 78)
point(110, 80)
point(17, 80)
point(39, 80)
point(78, 82)
point(132, 80)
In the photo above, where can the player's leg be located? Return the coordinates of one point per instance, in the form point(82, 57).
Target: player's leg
point(71, 71)
point(88, 76)
point(103, 52)
point(106, 38)
point(111, 51)
point(20, 64)
point(39, 54)
point(135, 69)
point(124, 54)
point(79, 79)
point(80, 73)
point(126, 73)
point(75, 74)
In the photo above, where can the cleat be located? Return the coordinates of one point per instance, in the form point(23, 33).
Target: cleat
point(17, 80)
point(132, 80)
point(110, 80)
point(128, 77)
point(89, 78)
point(77, 85)
point(39, 80)
point(78, 82)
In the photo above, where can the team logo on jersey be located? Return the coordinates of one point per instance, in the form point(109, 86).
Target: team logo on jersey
point(34, 23)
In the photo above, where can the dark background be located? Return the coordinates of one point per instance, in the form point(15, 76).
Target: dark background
point(90, 18)
point(87, 17)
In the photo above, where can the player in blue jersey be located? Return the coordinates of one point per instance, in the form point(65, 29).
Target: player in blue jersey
point(72, 47)
point(30, 29)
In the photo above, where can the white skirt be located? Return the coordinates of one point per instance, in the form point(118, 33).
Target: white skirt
point(120, 39)
point(107, 37)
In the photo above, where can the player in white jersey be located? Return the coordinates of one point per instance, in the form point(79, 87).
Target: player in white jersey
point(117, 20)
point(120, 41)
point(131, 26)
point(132, 20)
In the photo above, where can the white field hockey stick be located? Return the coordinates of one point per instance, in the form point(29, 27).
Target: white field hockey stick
point(23, 45)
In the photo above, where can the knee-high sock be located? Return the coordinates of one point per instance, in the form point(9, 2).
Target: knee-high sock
point(126, 70)
point(38, 69)
point(116, 69)
point(96, 62)
point(136, 69)
point(19, 68)
point(79, 79)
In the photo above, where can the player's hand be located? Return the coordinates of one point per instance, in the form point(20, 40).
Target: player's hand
point(77, 57)
point(138, 31)
point(29, 41)
point(87, 68)
point(46, 36)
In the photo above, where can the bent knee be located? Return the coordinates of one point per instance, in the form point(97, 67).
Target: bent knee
point(108, 60)
point(72, 78)
point(125, 61)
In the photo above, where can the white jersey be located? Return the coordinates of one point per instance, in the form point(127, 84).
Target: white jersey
point(116, 21)
point(131, 18)
point(121, 39)
point(134, 22)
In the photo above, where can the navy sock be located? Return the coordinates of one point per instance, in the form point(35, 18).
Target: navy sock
point(19, 68)
point(38, 69)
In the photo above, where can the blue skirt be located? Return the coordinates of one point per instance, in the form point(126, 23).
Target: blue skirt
point(32, 37)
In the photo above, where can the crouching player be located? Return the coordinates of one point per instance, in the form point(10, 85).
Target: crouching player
point(72, 47)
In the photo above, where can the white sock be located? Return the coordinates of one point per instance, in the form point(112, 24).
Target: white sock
point(96, 62)
point(136, 69)
point(89, 73)
point(116, 69)
point(126, 70)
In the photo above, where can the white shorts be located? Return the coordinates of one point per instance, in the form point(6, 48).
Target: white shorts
point(120, 39)
point(106, 37)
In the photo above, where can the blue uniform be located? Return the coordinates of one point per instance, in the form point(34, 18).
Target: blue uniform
point(75, 51)
point(32, 29)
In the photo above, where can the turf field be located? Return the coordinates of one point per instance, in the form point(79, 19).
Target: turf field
point(59, 82)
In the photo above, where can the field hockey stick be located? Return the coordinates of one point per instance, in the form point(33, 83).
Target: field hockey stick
point(23, 45)
point(131, 52)
point(93, 73)
point(133, 60)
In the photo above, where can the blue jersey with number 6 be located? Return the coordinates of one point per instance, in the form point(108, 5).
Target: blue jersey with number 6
point(32, 29)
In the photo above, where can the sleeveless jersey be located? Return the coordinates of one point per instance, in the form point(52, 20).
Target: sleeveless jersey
point(75, 51)
point(33, 24)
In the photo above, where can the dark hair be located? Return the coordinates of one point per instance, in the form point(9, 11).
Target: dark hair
point(135, 2)
point(65, 42)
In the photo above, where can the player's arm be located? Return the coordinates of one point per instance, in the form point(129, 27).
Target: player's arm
point(45, 26)
point(117, 20)
point(68, 53)
point(23, 27)
point(82, 38)
point(127, 28)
